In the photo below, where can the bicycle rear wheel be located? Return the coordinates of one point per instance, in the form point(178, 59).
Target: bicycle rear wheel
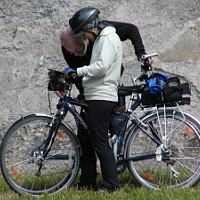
point(175, 163)
point(21, 163)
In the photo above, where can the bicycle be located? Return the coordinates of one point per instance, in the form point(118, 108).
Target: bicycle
point(40, 153)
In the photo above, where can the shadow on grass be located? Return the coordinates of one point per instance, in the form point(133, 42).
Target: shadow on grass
point(125, 179)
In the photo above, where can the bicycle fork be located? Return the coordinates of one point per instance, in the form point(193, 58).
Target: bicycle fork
point(41, 153)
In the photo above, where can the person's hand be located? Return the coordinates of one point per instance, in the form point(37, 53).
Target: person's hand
point(70, 73)
point(149, 61)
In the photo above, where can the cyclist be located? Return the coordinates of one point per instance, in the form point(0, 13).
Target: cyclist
point(77, 51)
point(100, 79)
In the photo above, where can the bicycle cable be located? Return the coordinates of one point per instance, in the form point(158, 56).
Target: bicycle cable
point(49, 102)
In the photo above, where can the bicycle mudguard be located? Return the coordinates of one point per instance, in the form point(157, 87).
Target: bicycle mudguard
point(50, 116)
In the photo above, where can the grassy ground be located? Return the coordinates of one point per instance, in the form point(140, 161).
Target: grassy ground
point(130, 190)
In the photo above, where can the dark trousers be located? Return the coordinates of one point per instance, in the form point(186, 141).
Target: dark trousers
point(99, 114)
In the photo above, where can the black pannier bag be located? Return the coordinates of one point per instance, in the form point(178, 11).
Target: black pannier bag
point(149, 99)
point(173, 92)
point(186, 93)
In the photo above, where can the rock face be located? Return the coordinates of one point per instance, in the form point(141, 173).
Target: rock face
point(29, 45)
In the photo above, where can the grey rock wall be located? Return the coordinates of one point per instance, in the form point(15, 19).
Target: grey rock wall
point(29, 45)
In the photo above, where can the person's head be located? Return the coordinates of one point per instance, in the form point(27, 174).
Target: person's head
point(76, 46)
point(86, 21)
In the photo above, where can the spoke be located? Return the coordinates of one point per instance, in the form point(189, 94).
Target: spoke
point(183, 158)
point(58, 153)
point(185, 166)
point(18, 163)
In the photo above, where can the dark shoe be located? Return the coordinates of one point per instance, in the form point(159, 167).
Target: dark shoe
point(86, 187)
point(107, 190)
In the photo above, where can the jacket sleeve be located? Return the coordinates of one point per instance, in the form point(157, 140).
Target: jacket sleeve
point(129, 31)
point(68, 58)
point(104, 57)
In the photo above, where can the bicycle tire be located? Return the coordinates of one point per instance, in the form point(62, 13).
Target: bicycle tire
point(181, 169)
point(20, 164)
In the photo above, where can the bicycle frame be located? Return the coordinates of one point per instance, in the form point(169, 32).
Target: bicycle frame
point(68, 105)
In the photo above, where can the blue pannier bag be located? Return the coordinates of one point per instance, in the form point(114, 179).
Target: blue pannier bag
point(156, 82)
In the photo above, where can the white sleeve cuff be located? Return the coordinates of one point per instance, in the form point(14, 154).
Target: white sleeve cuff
point(80, 71)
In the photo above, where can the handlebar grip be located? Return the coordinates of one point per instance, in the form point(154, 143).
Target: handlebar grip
point(72, 75)
point(146, 56)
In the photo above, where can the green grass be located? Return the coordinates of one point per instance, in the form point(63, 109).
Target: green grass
point(130, 189)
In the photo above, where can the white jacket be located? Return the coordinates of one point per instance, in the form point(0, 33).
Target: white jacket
point(102, 76)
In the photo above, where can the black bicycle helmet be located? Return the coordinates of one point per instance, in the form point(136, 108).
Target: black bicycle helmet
point(82, 18)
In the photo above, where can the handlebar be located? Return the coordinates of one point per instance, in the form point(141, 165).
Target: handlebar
point(146, 56)
point(60, 77)
point(145, 67)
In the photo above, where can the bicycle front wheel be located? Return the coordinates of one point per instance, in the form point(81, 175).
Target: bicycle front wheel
point(173, 163)
point(21, 157)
